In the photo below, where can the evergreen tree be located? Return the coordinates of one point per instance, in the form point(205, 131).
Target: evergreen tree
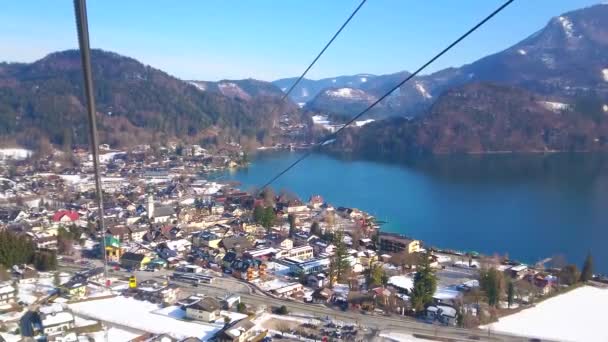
point(315, 229)
point(587, 271)
point(342, 265)
point(258, 214)
point(292, 225)
point(268, 218)
point(15, 249)
point(569, 275)
point(376, 275)
point(425, 285)
point(510, 293)
point(491, 281)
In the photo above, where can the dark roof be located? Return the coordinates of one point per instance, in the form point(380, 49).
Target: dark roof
point(239, 243)
point(206, 304)
point(395, 237)
point(118, 230)
point(163, 211)
point(132, 257)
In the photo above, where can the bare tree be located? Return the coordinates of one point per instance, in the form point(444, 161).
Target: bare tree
point(282, 327)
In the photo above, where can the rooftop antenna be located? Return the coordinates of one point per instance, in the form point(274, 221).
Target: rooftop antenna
point(80, 8)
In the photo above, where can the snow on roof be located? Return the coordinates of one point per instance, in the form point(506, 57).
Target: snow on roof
point(402, 282)
point(57, 318)
point(519, 268)
point(141, 315)
point(445, 293)
point(555, 318)
point(6, 288)
point(14, 153)
point(447, 310)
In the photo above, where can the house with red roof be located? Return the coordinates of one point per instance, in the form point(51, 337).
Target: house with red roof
point(66, 216)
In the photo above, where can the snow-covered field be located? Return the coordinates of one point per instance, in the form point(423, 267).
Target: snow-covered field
point(140, 315)
point(400, 337)
point(578, 315)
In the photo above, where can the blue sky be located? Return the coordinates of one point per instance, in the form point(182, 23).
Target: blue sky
point(270, 39)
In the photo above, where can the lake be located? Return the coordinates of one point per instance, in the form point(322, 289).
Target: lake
point(527, 206)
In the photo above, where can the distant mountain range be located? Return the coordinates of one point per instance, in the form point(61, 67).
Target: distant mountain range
point(135, 103)
point(568, 58)
point(546, 93)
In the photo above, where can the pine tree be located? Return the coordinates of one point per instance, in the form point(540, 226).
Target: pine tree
point(292, 225)
point(425, 285)
point(342, 265)
point(268, 218)
point(315, 229)
point(587, 271)
point(491, 281)
point(510, 293)
point(376, 275)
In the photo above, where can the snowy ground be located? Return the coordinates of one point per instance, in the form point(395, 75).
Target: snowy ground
point(400, 337)
point(140, 315)
point(578, 315)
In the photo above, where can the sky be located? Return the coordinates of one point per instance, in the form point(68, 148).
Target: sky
point(272, 39)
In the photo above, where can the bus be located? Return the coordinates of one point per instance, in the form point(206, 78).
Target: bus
point(193, 278)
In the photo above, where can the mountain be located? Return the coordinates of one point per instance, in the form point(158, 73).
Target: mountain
point(307, 89)
point(484, 118)
point(242, 89)
point(568, 58)
point(135, 103)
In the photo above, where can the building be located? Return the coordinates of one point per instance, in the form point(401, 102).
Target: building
point(395, 243)
point(74, 289)
point(301, 253)
point(206, 239)
point(119, 232)
point(207, 310)
point(66, 216)
point(136, 233)
point(55, 321)
point(307, 267)
point(288, 290)
point(7, 293)
point(134, 261)
point(241, 331)
point(285, 243)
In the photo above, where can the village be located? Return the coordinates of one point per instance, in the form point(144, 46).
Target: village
point(193, 258)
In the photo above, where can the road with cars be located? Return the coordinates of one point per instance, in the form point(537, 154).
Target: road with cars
point(223, 285)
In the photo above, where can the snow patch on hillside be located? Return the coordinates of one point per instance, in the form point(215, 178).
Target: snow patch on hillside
point(233, 90)
point(304, 92)
point(555, 106)
point(605, 74)
point(363, 122)
point(605, 108)
point(198, 86)
point(343, 92)
point(568, 27)
point(363, 79)
point(423, 91)
point(522, 52)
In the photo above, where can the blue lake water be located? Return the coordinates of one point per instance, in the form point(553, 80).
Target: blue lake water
point(527, 206)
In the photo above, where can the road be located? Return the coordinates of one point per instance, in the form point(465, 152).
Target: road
point(222, 286)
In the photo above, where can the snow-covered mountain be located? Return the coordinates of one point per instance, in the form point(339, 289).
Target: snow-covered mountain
point(568, 58)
